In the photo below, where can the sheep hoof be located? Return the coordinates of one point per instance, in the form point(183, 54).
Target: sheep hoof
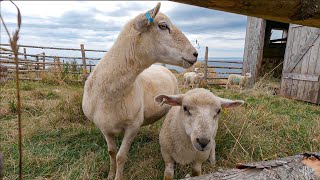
point(187, 176)
point(111, 176)
point(212, 161)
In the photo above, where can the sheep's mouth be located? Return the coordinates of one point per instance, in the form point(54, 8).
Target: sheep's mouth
point(190, 63)
point(199, 148)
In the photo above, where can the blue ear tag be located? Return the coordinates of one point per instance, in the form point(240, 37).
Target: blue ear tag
point(149, 18)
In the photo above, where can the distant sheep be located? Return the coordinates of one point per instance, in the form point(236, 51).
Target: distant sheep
point(119, 93)
point(193, 78)
point(242, 81)
point(196, 80)
point(188, 132)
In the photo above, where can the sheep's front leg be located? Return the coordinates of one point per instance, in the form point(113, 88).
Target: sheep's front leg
point(212, 158)
point(112, 149)
point(196, 168)
point(169, 171)
point(169, 165)
point(129, 134)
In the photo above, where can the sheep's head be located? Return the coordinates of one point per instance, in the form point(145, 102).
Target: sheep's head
point(199, 113)
point(161, 41)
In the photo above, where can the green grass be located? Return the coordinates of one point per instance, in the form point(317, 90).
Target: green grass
point(60, 143)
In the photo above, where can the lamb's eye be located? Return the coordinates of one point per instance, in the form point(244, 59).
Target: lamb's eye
point(186, 110)
point(219, 110)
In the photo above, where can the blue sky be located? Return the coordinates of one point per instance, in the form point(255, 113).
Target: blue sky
point(97, 24)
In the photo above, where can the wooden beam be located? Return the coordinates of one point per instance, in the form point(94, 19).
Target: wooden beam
point(304, 12)
point(253, 51)
point(303, 77)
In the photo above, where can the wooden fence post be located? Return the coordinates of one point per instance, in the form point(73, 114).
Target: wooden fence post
point(25, 57)
point(84, 64)
point(37, 60)
point(206, 64)
point(44, 60)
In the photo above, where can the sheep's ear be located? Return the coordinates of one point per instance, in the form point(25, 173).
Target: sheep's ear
point(227, 103)
point(144, 20)
point(172, 100)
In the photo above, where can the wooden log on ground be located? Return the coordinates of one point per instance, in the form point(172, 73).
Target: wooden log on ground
point(302, 166)
point(1, 165)
point(304, 12)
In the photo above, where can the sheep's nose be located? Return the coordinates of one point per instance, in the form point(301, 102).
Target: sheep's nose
point(195, 54)
point(203, 142)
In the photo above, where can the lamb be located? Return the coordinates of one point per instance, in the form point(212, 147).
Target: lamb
point(196, 80)
point(119, 93)
point(193, 79)
point(188, 132)
point(238, 79)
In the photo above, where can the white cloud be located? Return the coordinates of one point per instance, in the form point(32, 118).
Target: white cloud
point(97, 24)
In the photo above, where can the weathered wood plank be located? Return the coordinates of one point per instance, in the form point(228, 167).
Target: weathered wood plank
point(288, 11)
point(254, 42)
point(314, 87)
point(301, 77)
point(302, 51)
point(224, 67)
point(301, 93)
point(301, 166)
point(293, 48)
point(1, 165)
point(206, 63)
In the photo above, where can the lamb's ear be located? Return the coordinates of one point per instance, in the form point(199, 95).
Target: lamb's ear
point(172, 100)
point(143, 21)
point(227, 103)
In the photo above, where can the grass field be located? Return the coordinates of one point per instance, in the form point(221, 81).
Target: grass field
point(60, 143)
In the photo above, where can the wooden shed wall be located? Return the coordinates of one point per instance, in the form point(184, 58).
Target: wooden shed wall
point(253, 49)
point(300, 79)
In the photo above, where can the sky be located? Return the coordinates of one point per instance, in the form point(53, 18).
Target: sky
point(98, 23)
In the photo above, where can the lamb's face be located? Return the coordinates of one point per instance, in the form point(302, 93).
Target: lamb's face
point(199, 114)
point(164, 42)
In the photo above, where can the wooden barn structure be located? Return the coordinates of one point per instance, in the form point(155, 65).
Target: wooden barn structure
point(295, 56)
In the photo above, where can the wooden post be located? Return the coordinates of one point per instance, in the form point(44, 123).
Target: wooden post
point(206, 64)
point(44, 60)
point(84, 64)
point(37, 60)
point(25, 57)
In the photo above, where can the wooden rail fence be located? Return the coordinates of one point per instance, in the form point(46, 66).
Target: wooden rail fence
point(217, 71)
point(30, 63)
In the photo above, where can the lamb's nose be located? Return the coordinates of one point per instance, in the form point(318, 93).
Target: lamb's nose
point(203, 142)
point(195, 54)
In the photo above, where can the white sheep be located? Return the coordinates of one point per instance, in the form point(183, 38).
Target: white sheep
point(188, 132)
point(238, 79)
point(119, 93)
point(196, 80)
point(196, 70)
point(193, 79)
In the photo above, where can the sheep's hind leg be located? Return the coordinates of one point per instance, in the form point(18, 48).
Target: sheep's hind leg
point(112, 149)
point(129, 135)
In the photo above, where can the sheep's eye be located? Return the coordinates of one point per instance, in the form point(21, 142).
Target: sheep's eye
point(164, 27)
point(185, 109)
point(219, 110)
